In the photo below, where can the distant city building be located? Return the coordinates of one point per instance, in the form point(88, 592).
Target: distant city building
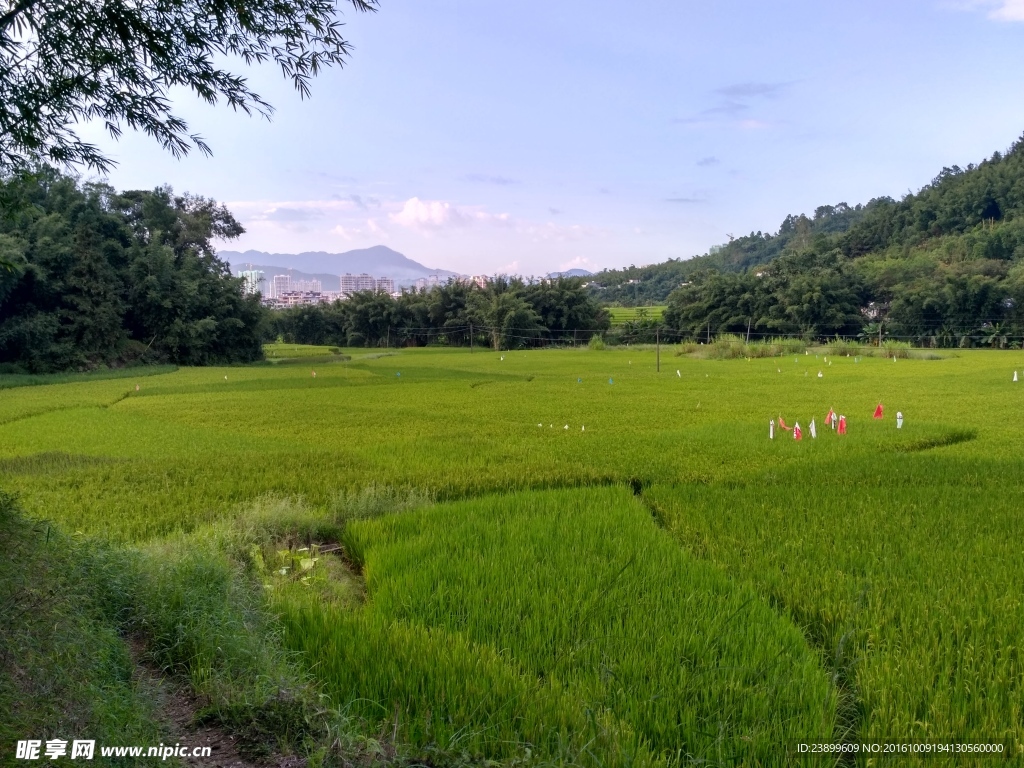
point(364, 282)
point(254, 281)
point(429, 282)
point(306, 286)
point(281, 285)
point(297, 299)
point(480, 281)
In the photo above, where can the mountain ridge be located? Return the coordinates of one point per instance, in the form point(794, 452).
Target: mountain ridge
point(378, 260)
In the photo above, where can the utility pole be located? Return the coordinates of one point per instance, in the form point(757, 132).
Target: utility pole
point(709, 331)
point(748, 329)
point(387, 343)
point(471, 338)
point(657, 341)
point(879, 332)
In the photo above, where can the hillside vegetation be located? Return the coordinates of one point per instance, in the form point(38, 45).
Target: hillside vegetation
point(943, 267)
point(634, 286)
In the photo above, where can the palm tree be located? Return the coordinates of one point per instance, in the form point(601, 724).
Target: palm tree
point(872, 332)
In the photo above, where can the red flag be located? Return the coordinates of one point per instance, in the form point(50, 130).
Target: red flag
point(842, 425)
point(878, 411)
point(828, 419)
point(782, 424)
point(797, 434)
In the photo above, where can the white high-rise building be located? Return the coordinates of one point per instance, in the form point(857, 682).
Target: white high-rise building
point(281, 285)
point(254, 281)
point(429, 282)
point(352, 283)
point(385, 284)
point(306, 286)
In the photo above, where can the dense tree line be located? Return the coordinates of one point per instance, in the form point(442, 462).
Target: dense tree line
point(96, 277)
point(943, 267)
point(507, 313)
point(805, 294)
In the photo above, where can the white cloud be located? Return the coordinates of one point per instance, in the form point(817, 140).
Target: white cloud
point(353, 231)
point(998, 10)
point(417, 226)
point(580, 262)
point(295, 216)
point(551, 232)
point(754, 125)
point(435, 215)
point(428, 214)
point(266, 209)
point(1009, 10)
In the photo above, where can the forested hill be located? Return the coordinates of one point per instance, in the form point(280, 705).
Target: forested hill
point(637, 286)
point(943, 266)
point(954, 203)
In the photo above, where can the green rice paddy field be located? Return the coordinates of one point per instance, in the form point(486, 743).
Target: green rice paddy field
point(592, 562)
point(620, 315)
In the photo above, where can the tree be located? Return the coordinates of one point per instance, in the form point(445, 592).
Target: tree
point(714, 303)
point(448, 310)
point(566, 308)
point(510, 319)
point(102, 278)
point(370, 315)
point(115, 61)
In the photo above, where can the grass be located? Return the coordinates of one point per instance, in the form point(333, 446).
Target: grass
point(591, 610)
point(730, 347)
point(502, 592)
point(623, 315)
point(913, 601)
point(71, 605)
point(65, 673)
point(11, 380)
point(282, 351)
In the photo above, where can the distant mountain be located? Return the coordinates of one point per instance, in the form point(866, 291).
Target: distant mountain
point(379, 261)
point(571, 273)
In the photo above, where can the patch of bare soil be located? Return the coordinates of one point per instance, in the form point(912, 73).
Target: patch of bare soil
point(176, 709)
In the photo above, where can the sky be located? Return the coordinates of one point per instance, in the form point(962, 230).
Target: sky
point(486, 137)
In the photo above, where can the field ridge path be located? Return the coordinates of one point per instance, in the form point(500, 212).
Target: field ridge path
point(175, 709)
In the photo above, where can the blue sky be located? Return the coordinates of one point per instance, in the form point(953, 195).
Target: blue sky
point(485, 136)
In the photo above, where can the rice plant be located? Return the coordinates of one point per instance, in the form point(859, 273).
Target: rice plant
point(568, 605)
point(523, 598)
